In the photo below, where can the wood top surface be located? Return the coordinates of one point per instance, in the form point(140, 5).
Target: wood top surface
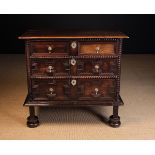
point(48, 34)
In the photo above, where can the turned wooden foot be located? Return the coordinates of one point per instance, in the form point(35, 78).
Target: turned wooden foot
point(114, 120)
point(32, 120)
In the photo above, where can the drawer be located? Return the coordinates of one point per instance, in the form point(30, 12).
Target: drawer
point(52, 67)
point(96, 66)
point(96, 89)
point(53, 89)
point(48, 48)
point(98, 48)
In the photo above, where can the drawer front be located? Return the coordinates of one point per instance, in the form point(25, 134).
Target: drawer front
point(48, 48)
point(50, 89)
point(96, 89)
point(50, 67)
point(74, 89)
point(96, 66)
point(98, 48)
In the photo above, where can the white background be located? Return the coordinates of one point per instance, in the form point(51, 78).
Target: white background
point(104, 147)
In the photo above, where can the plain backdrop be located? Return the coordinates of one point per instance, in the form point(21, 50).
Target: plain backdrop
point(140, 28)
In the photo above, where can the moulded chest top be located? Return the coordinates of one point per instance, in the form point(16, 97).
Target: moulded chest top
point(49, 34)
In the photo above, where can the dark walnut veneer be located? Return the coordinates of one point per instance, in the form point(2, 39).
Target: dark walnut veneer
point(77, 68)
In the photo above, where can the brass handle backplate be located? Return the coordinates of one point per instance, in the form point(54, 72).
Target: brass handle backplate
point(73, 82)
point(96, 93)
point(73, 62)
point(51, 93)
point(97, 49)
point(73, 45)
point(50, 69)
point(97, 67)
point(50, 48)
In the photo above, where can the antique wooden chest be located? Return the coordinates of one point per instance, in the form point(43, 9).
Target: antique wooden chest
point(77, 68)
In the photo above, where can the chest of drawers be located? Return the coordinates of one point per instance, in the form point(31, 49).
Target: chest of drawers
point(76, 68)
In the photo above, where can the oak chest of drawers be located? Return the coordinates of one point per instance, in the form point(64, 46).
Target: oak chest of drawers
point(77, 68)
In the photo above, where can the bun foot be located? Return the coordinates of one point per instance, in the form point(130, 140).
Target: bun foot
point(114, 121)
point(32, 122)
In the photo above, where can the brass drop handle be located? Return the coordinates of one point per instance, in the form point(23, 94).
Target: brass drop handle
point(51, 90)
point(97, 49)
point(50, 48)
point(97, 67)
point(50, 69)
point(51, 93)
point(96, 93)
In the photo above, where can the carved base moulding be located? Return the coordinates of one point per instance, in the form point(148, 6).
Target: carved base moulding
point(80, 68)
